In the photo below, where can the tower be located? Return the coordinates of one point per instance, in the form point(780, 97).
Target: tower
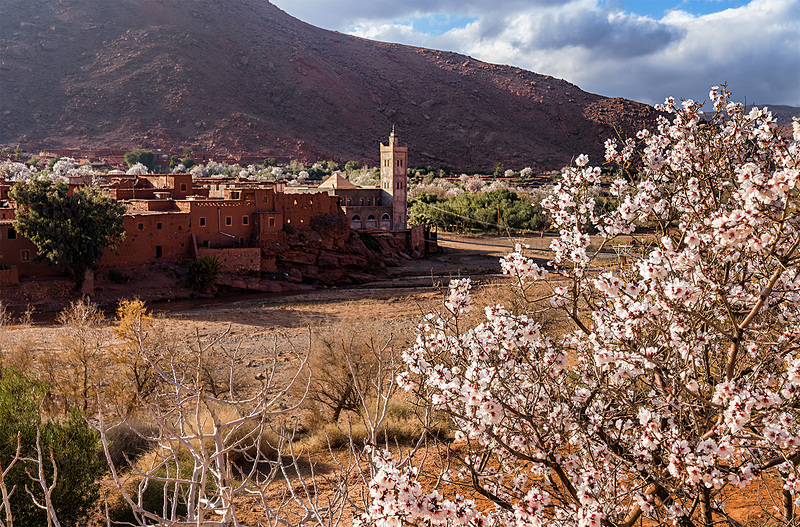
point(394, 164)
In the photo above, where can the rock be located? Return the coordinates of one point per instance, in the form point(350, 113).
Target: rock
point(328, 259)
point(353, 260)
point(298, 256)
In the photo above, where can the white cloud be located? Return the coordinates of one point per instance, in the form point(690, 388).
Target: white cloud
point(755, 48)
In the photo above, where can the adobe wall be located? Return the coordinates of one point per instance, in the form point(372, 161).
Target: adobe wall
point(9, 277)
point(417, 239)
point(299, 209)
point(20, 251)
point(222, 223)
point(245, 260)
point(151, 236)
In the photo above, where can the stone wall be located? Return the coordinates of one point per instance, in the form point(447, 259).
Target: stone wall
point(246, 261)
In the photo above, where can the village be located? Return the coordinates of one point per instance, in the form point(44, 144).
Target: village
point(290, 234)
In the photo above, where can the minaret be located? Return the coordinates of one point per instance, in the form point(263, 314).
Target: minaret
point(394, 164)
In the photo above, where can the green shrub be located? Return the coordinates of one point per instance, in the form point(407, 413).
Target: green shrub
point(74, 446)
point(201, 274)
point(144, 157)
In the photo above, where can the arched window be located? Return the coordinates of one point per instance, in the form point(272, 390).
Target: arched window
point(386, 222)
point(371, 223)
point(355, 222)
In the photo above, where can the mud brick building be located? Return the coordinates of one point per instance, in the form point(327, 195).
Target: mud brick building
point(252, 227)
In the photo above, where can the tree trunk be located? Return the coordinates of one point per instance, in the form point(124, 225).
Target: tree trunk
point(87, 284)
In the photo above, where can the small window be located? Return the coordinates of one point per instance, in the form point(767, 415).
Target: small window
point(183, 186)
point(245, 220)
point(241, 241)
point(25, 256)
point(159, 251)
point(228, 220)
point(272, 222)
point(12, 234)
point(140, 226)
point(180, 227)
point(202, 222)
point(158, 225)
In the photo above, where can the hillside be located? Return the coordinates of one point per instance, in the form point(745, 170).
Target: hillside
point(243, 76)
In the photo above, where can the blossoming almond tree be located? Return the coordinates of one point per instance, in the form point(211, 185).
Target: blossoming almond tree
point(679, 381)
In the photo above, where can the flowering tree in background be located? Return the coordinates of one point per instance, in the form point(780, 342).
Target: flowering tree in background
point(678, 382)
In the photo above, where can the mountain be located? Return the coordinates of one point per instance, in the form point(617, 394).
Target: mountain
point(243, 76)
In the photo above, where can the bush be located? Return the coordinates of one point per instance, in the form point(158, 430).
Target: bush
point(201, 274)
point(129, 440)
point(73, 444)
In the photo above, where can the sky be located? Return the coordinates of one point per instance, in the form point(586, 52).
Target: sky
point(644, 50)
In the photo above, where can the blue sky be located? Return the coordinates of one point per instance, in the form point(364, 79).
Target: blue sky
point(643, 50)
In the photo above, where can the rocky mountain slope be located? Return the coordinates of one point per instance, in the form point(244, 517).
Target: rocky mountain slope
point(243, 76)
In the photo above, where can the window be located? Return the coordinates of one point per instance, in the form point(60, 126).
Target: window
point(202, 222)
point(183, 186)
point(159, 251)
point(272, 222)
point(245, 220)
point(228, 220)
point(25, 256)
point(158, 225)
point(12, 234)
point(140, 226)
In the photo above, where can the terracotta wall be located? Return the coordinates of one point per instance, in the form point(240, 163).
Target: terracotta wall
point(19, 251)
point(151, 236)
point(238, 261)
point(9, 277)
